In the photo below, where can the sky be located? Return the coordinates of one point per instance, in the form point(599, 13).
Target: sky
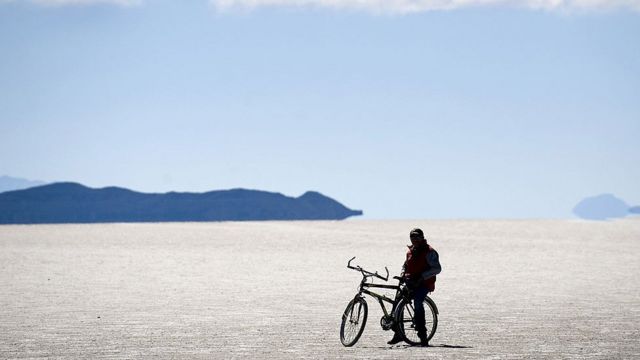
point(404, 109)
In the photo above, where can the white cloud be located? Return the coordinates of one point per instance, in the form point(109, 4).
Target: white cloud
point(412, 6)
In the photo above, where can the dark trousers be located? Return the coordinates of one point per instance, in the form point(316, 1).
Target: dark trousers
point(419, 295)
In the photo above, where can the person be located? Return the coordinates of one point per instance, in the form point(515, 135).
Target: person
point(419, 274)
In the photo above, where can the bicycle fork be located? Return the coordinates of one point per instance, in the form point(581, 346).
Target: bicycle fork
point(351, 316)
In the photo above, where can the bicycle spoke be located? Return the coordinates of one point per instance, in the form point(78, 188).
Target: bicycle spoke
point(410, 309)
point(354, 319)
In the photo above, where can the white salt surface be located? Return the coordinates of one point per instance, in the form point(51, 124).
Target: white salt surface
point(509, 289)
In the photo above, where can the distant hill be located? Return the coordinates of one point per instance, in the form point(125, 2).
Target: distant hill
point(601, 207)
point(635, 210)
point(75, 203)
point(8, 183)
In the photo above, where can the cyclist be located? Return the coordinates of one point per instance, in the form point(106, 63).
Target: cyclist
point(419, 273)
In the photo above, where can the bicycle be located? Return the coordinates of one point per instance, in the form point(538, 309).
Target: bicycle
point(399, 318)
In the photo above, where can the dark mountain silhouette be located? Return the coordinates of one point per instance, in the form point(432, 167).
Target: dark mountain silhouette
point(8, 183)
point(601, 207)
point(75, 203)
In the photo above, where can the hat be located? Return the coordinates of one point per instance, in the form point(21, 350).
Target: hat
point(416, 233)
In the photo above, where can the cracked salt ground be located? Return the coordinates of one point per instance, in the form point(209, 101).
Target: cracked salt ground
point(509, 289)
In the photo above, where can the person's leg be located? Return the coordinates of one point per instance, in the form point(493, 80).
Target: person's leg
point(396, 337)
point(396, 334)
point(418, 304)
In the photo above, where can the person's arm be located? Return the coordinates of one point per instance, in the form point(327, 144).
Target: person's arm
point(434, 263)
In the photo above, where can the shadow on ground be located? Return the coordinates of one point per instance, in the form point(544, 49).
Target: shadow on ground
point(404, 346)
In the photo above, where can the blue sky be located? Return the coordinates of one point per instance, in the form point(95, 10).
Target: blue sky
point(517, 109)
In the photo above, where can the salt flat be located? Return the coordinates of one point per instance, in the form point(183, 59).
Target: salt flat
point(509, 289)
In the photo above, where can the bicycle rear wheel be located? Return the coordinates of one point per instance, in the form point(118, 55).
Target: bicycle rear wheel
point(353, 321)
point(406, 323)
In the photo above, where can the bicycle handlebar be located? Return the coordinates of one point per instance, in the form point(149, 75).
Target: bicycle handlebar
point(367, 273)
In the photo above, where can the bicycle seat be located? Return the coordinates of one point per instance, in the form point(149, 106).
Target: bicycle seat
point(398, 278)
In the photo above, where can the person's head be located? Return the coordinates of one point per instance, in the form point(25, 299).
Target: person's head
point(417, 236)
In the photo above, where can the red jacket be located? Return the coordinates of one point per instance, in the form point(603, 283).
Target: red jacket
point(416, 264)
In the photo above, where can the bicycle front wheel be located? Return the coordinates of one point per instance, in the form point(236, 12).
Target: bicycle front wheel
point(353, 321)
point(405, 317)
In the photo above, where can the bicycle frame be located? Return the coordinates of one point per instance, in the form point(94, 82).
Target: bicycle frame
point(380, 298)
point(364, 286)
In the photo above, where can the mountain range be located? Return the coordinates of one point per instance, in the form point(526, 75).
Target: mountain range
point(603, 207)
point(8, 183)
point(75, 203)
point(25, 201)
